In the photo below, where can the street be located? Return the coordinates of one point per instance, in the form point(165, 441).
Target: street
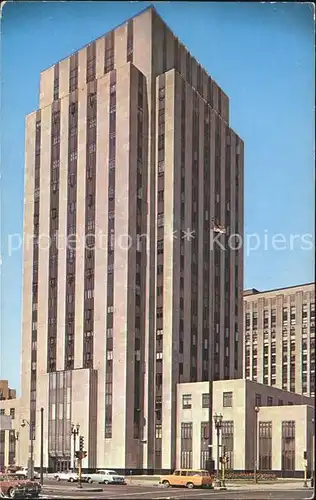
point(155, 492)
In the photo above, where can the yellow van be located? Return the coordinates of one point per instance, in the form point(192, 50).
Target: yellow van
point(191, 478)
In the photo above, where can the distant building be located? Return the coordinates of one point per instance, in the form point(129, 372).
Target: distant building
point(9, 426)
point(5, 391)
point(279, 338)
point(283, 428)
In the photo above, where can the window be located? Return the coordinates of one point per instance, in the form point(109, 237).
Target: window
point(227, 399)
point(228, 442)
point(269, 401)
point(159, 246)
point(258, 400)
point(265, 445)
point(187, 401)
point(158, 432)
point(205, 434)
point(160, 219)
point(56, 89)
point(109, 59)
point(254, 320)
point(186, 445)
point(288, 445)
point(205, 400)
point(247, 321)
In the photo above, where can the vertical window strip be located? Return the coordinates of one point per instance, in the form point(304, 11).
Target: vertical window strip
point(109, 53)
point(53, 249)
point(138, 273)
point(71, 232)
point(206, 244)
point(227, 288)
point(217, 253)
point(91, 62)
point(195, 240)
point(159, 271)
point(130, 41)
point(56, 82)
point(36, 212)
point(89, 271)
point(182, 222)
point(73, 72)
point(110, 259)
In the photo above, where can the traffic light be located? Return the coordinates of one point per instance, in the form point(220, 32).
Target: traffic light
point(81, 443)
point(84, 454)
point(78, 454)
point(305, 455)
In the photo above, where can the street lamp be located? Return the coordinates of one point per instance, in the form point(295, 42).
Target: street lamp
point(313, 458)
point(255, 469)
point(75, 432)
point(16, 437)
point(218, 418)
point(30, 469)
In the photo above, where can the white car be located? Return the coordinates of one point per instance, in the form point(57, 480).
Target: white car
point(23, 473)
point(105, 477)
point(66, 476)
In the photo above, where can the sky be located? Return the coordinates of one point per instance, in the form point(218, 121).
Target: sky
point(260, 54)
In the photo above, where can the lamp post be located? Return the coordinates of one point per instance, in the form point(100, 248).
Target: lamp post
point(75, 432)
point(30, 467)
point(17, 457)
point(210, 463)
point(42, 447)
point(313, 458)
point(30, 471)
point(255, 469)
point(218, 418)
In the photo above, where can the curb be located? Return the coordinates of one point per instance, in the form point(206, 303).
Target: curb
point(56, 488)
point(90, 490)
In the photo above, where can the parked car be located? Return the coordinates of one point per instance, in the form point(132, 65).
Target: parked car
point(189, 478)
point(105, 477)
point(66, 476)
point(23, 473)
point(14, 487)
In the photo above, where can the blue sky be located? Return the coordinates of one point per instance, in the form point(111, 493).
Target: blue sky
point(262, 57)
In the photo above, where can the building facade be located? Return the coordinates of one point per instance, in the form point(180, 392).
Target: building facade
point(281, 436)
point(279, 338)
point(9, 426)
point(130, 165)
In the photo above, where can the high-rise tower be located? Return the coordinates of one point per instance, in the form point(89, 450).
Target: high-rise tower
point(130, 161)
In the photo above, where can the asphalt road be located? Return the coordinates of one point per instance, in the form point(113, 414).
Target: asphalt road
point(130, 492)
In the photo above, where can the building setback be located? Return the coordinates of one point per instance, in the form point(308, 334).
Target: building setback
point(279, 338)
point(131, 151)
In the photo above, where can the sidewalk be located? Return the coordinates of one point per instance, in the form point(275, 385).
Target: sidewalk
point(279, 484)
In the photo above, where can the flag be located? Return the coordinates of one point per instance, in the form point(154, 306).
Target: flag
point(219, 229)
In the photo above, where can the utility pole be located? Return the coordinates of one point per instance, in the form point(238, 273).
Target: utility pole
point(255, 469)
point(42, 445)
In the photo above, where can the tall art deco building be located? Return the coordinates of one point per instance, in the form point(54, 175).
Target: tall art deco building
point(129, 158)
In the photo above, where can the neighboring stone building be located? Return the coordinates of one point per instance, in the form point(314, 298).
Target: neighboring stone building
point(131, 145)
point(9, 426)
point(5, 391)
point(279, 337)
point(283, 434)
